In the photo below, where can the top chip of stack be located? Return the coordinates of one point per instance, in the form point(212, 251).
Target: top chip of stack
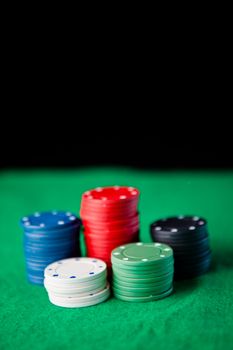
point(110, 218)
point(188, 236)
point(49, 236)
point(142, 271)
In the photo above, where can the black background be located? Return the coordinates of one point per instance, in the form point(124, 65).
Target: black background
point(155, 142)
point(159, 100)
point(174, 116)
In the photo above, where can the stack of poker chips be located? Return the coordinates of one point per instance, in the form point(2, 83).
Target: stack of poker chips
point(188, 236)
point(77, 282)
point(49, 236)
point(110, 218)
point(142, 271)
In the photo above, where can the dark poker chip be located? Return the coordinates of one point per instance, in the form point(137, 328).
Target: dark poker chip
point(178, 238)
point(192, 269)
point(193, 262)
point(195, 256)
point(188, 237)
point(181, 224)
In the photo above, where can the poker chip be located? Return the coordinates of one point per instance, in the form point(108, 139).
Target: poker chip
point(49, 236)
point(142, 299)
point(142, 271)
point(188, 236)
point(77, 282)
point(110, 219)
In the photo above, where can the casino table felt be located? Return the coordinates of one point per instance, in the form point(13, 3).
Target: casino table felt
point(198, 314)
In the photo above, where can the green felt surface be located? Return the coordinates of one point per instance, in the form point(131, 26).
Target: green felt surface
point(198, 315)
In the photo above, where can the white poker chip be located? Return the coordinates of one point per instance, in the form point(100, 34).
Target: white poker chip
point(75, 270)
point(85, 301)
point(86, 298)
point(75, 291)
point(75, 294)
point(78, 305)
point(77, 282)
point(82, 286)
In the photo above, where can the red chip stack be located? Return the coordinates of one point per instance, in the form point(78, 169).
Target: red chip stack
point(110, 219)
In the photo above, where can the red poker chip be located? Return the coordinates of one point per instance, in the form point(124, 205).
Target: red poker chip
point(97, 223)
point(105, 216)
point(108, 245)
point(104, 254)
point(101, 257)
point(98, 250)
point(101, 219)
point(104, 243)
point(111, 194)
point(112, 231)
point(115, 240)
point(101, 248)
point(112, 224)
point(108, 214)
point(110, 237)
point(128, 211)
point(105, 205)
point(110, 219)
point(106, 239)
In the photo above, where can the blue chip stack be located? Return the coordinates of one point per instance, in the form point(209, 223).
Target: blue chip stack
point(48, 237)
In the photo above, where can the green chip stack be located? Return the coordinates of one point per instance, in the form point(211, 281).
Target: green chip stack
point(142, 271)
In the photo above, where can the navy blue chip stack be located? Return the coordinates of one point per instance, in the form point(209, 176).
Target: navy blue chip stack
point(188, 237)
point(48, 237)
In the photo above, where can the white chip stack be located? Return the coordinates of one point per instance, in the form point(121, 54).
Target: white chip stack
point(77, 282)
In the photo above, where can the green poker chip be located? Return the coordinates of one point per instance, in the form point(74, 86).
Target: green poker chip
point(143, 284)
point(142, 299)
point(142, 281)
point(148, 279)
point(152, 269)
point(134, 293)
point(138, 289)
point(159, 265)
point(139, 254)
point(140, 274)
point(142, 271)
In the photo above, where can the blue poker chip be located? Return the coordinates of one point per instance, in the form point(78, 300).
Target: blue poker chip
point(50, 242)
point(35, 272)
point(51, 220)
point(35, 267)
point(48, 258)
point(35, 279)
point(42, 258)
point(48, 251)
point(50, 255)
point(48, 237)
point(53, 234)
point(50, 247)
